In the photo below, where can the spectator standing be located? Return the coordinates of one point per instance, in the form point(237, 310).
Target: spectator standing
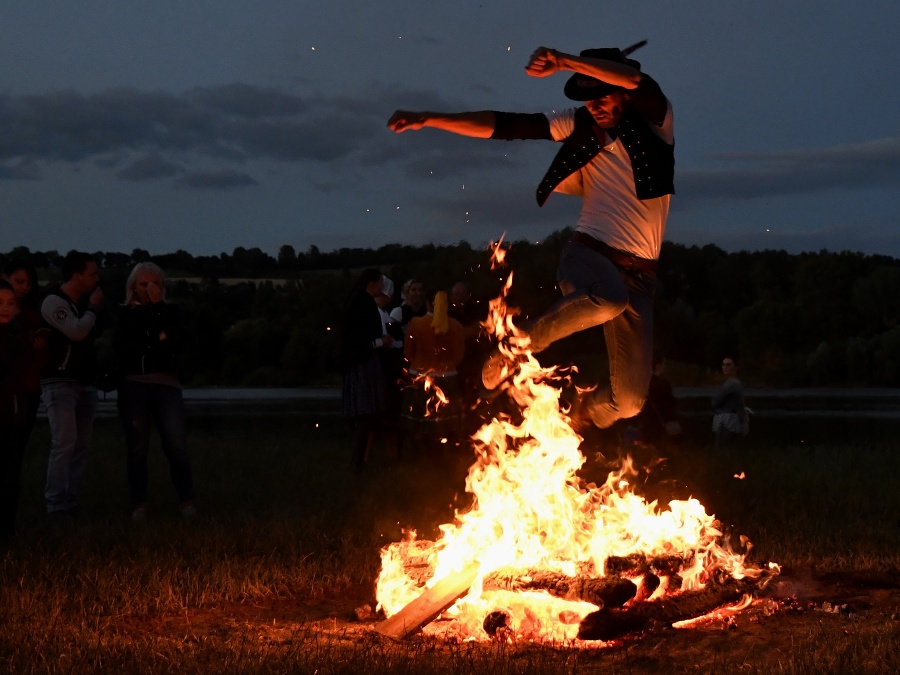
point(657, 422)
point(148, 344)
point(22, 276)
point(365, 396)
point(15, 415)
point(394, 373)
point(68, 377)
point(728, 407)
point(412, 297)
point(434, 348)
point(465, 310)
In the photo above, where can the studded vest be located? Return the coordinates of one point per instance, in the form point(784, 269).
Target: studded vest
point(652, 159)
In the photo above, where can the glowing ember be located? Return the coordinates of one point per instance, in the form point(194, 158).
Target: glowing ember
point(531, 512)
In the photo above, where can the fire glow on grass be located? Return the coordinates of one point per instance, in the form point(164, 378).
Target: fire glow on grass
point(532, 512)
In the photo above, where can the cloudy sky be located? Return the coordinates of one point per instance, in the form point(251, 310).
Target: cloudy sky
point(212, 124)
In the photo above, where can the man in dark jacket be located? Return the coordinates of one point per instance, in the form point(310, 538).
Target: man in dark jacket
point(617, 154)
point(68, 378)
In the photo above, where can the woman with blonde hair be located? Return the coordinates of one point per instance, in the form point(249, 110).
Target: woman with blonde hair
point(148, 344)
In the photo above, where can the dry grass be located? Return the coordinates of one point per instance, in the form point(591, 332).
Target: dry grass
point(286, 547)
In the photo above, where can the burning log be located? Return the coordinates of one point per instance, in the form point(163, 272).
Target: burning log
point(496, 622)
point(615, 623)
point(427, 606)
point(600, 591)
point(637, 564)
point(417, 556)
point(649, 584)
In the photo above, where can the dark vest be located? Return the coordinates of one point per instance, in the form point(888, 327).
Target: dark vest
point(652, 159)
point(68, 360)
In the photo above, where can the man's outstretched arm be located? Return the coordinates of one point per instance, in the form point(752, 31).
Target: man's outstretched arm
point(545, 61)
point(478, 124)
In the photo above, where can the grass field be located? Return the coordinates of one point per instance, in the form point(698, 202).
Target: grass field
point(287, 544)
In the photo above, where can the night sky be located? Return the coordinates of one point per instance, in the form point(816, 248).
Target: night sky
point(208, 125)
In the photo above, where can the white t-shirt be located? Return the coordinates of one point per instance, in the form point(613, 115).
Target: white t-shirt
point(611, 211)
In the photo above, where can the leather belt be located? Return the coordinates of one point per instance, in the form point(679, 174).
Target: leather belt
point(621, 259)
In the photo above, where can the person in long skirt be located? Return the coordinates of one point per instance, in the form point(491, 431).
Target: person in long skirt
point(365, 395)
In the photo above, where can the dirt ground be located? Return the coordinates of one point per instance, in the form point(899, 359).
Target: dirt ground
point(812, 616)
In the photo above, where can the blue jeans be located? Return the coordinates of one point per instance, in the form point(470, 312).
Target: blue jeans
point(70, 410)
point(141, 407)
point(598, 292)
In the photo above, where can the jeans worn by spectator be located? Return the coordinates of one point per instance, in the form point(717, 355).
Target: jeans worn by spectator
point(142, 406)
point(598, 292)
point(70, 411)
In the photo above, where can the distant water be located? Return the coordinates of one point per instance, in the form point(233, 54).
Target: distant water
point(692, 401)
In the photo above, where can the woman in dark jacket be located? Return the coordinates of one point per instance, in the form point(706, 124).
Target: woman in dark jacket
point(365, 395)
point(22, 276)
point(148, 344)
point(15, 416)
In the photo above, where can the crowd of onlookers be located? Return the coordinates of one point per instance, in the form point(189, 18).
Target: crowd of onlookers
point(411, 365)
point(47, 355)
point(412, 370)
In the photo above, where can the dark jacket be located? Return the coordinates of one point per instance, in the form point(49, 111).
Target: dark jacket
point(38, 332)
point(69, 360)
point(15, 361)
point(149, 339)
point(362, 327)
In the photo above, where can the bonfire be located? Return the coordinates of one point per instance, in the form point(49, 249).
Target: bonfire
point(539, 554)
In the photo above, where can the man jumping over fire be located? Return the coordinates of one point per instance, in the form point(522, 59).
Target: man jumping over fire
point(617, 154)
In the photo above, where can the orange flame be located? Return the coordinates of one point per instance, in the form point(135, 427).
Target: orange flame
point(498, 253)
point(531, 511)
point(436, 400)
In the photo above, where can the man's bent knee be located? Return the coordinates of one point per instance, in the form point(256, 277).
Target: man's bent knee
point(613, 300)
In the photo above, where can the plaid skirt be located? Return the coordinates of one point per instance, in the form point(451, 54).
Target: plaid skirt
point(365, 388)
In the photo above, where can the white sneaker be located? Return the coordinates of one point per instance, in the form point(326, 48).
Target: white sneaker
point(139, 515)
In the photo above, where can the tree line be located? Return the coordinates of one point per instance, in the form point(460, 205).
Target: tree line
point(810, 319)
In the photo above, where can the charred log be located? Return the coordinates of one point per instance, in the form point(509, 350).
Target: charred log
point(417, 559)
point(496, 621)
point(648, 585)
point(615, 623)
point(602, 591)
point(636, 564)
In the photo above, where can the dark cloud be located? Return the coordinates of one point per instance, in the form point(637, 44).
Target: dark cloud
point(499, 207)
point(149, 167)
point(22, 170)
point(73, 127)
point(218, 179)
point(322, 139)
point(456, 160)
point(244, 100)
point(861, 165)
point(232, 123)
